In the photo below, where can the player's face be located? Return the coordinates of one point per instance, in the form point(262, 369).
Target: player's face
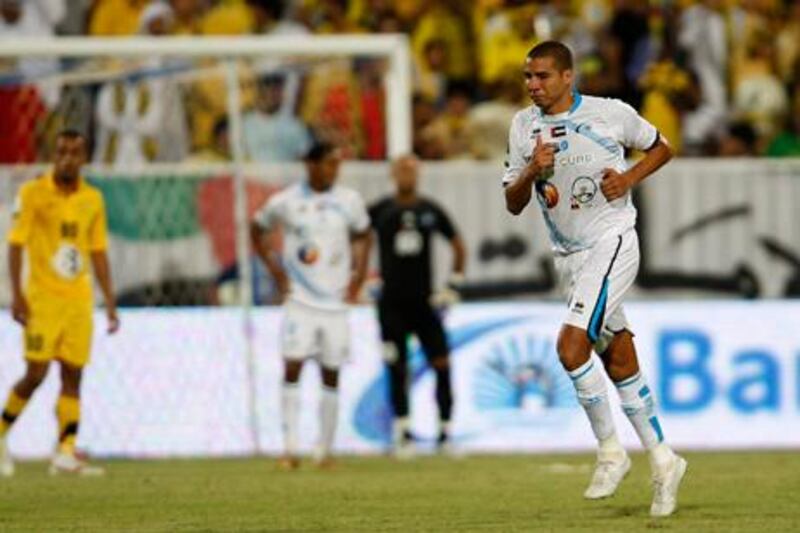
point(405, 173)
point(547, 86)
point(70, 156)
point(322, 174)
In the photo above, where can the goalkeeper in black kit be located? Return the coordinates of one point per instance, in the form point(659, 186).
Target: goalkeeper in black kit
point(404, 224)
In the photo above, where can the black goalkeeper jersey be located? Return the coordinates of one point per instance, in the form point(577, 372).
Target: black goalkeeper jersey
point(404, 241)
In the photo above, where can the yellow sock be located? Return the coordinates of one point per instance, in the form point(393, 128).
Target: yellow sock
point(14, 406)
point(68, 411)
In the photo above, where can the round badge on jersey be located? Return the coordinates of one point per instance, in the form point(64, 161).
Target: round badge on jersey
point(408, 242)
point(584, 189)
point(308, 254)
point(548, 193)
point(67, 261)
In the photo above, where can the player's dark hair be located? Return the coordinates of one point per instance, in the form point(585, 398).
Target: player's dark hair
point(559, 52)
point(70, 133)
point(318, 151)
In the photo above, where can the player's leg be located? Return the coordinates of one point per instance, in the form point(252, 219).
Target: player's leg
point(334, 351)
point(430, 331)
point(73, 351)
point(39, 337)
point(290, 410)
point(21, 392)
point(601, 276)
point(637, 401)
point(297, 343)
point(394, 333)
point(328, 416)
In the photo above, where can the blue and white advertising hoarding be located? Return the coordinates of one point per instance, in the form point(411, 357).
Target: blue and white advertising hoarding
point(176, 382)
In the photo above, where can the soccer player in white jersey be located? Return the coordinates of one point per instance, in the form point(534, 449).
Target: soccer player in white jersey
point(569, 149)
point(321, 269)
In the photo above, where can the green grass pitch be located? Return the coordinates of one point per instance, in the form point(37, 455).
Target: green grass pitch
point(756, 491)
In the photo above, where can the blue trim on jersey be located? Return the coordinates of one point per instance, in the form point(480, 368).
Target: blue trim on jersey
point(297, 275)
point(596, 322)
point(335, 207)
point(577, 99)
point(657, 428)
point(607, 143)
point(644, 391)
point(305, 188)
point(556, 236)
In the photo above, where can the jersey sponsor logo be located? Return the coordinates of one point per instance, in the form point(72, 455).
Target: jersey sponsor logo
point(574, 159)
point(67, 262)
point(548, 193)
point(584, 189)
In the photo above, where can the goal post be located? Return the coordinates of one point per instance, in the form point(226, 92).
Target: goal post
point(156, 184)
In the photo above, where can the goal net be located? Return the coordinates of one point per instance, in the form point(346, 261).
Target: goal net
point(187, 138)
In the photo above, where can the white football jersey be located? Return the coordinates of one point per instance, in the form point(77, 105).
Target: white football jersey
point(316, 240)
point(590, 137)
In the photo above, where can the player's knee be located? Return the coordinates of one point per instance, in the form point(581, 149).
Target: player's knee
point(34, 376)
point(573, 347)
point(70, 377)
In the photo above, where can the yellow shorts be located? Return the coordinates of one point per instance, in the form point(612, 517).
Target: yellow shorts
point(58, 329)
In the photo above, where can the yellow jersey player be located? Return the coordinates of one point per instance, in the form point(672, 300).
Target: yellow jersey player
point(60, 223)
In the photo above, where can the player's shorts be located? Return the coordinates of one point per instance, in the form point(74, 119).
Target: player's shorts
point(596, 281)
point(398, 320)
point(58, 329)
point(310, 332)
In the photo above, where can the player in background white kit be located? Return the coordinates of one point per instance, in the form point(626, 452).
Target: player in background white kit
point(321, 270)
point(569, 148)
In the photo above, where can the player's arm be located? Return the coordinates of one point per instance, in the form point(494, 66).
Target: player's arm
point(639, 134)
point(98, 244)
point(519, 191)
point(21, 224)
point(615, 184)
point(260, 237)
point(359, 248)
point(102, 272)
point(19, 305)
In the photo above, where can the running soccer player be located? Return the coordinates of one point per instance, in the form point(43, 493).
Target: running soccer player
point(569, 148)
point(405, 223)
point(60, 223)
point(322, 268)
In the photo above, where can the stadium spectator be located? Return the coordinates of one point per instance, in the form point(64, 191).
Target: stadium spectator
point(430, 72)
point(444, 19)
point(740, 140)
point(188, 16)
point(787, 142)
point(505, 35)
point(116, 17)
point(271, 132)
point(25, 106)
point(220, 150)
point(373, 107)
point(489, 119)
point(143, 120)
point(430, 135)
point(454, 121)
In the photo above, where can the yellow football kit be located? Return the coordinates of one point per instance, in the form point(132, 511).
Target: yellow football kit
point(59, 231)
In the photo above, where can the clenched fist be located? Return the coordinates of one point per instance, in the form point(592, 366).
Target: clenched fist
point(614, 185)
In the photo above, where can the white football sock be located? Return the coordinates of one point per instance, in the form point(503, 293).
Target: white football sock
point(400, 426)
point(328, 413)
point(640, 408)
point(593, 396)
point(290, 411)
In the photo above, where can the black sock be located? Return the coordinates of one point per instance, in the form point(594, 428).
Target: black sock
point(398, 388)
point(444, 393)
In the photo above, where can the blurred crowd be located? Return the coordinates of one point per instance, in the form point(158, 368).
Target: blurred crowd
point(717, 77)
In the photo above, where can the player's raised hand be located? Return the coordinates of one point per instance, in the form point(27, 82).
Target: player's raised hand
point(543, 158)
point(614, 185)
point(19, 309)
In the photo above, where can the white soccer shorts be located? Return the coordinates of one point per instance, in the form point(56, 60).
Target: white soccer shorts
point(596, 281)
point(307, 332)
